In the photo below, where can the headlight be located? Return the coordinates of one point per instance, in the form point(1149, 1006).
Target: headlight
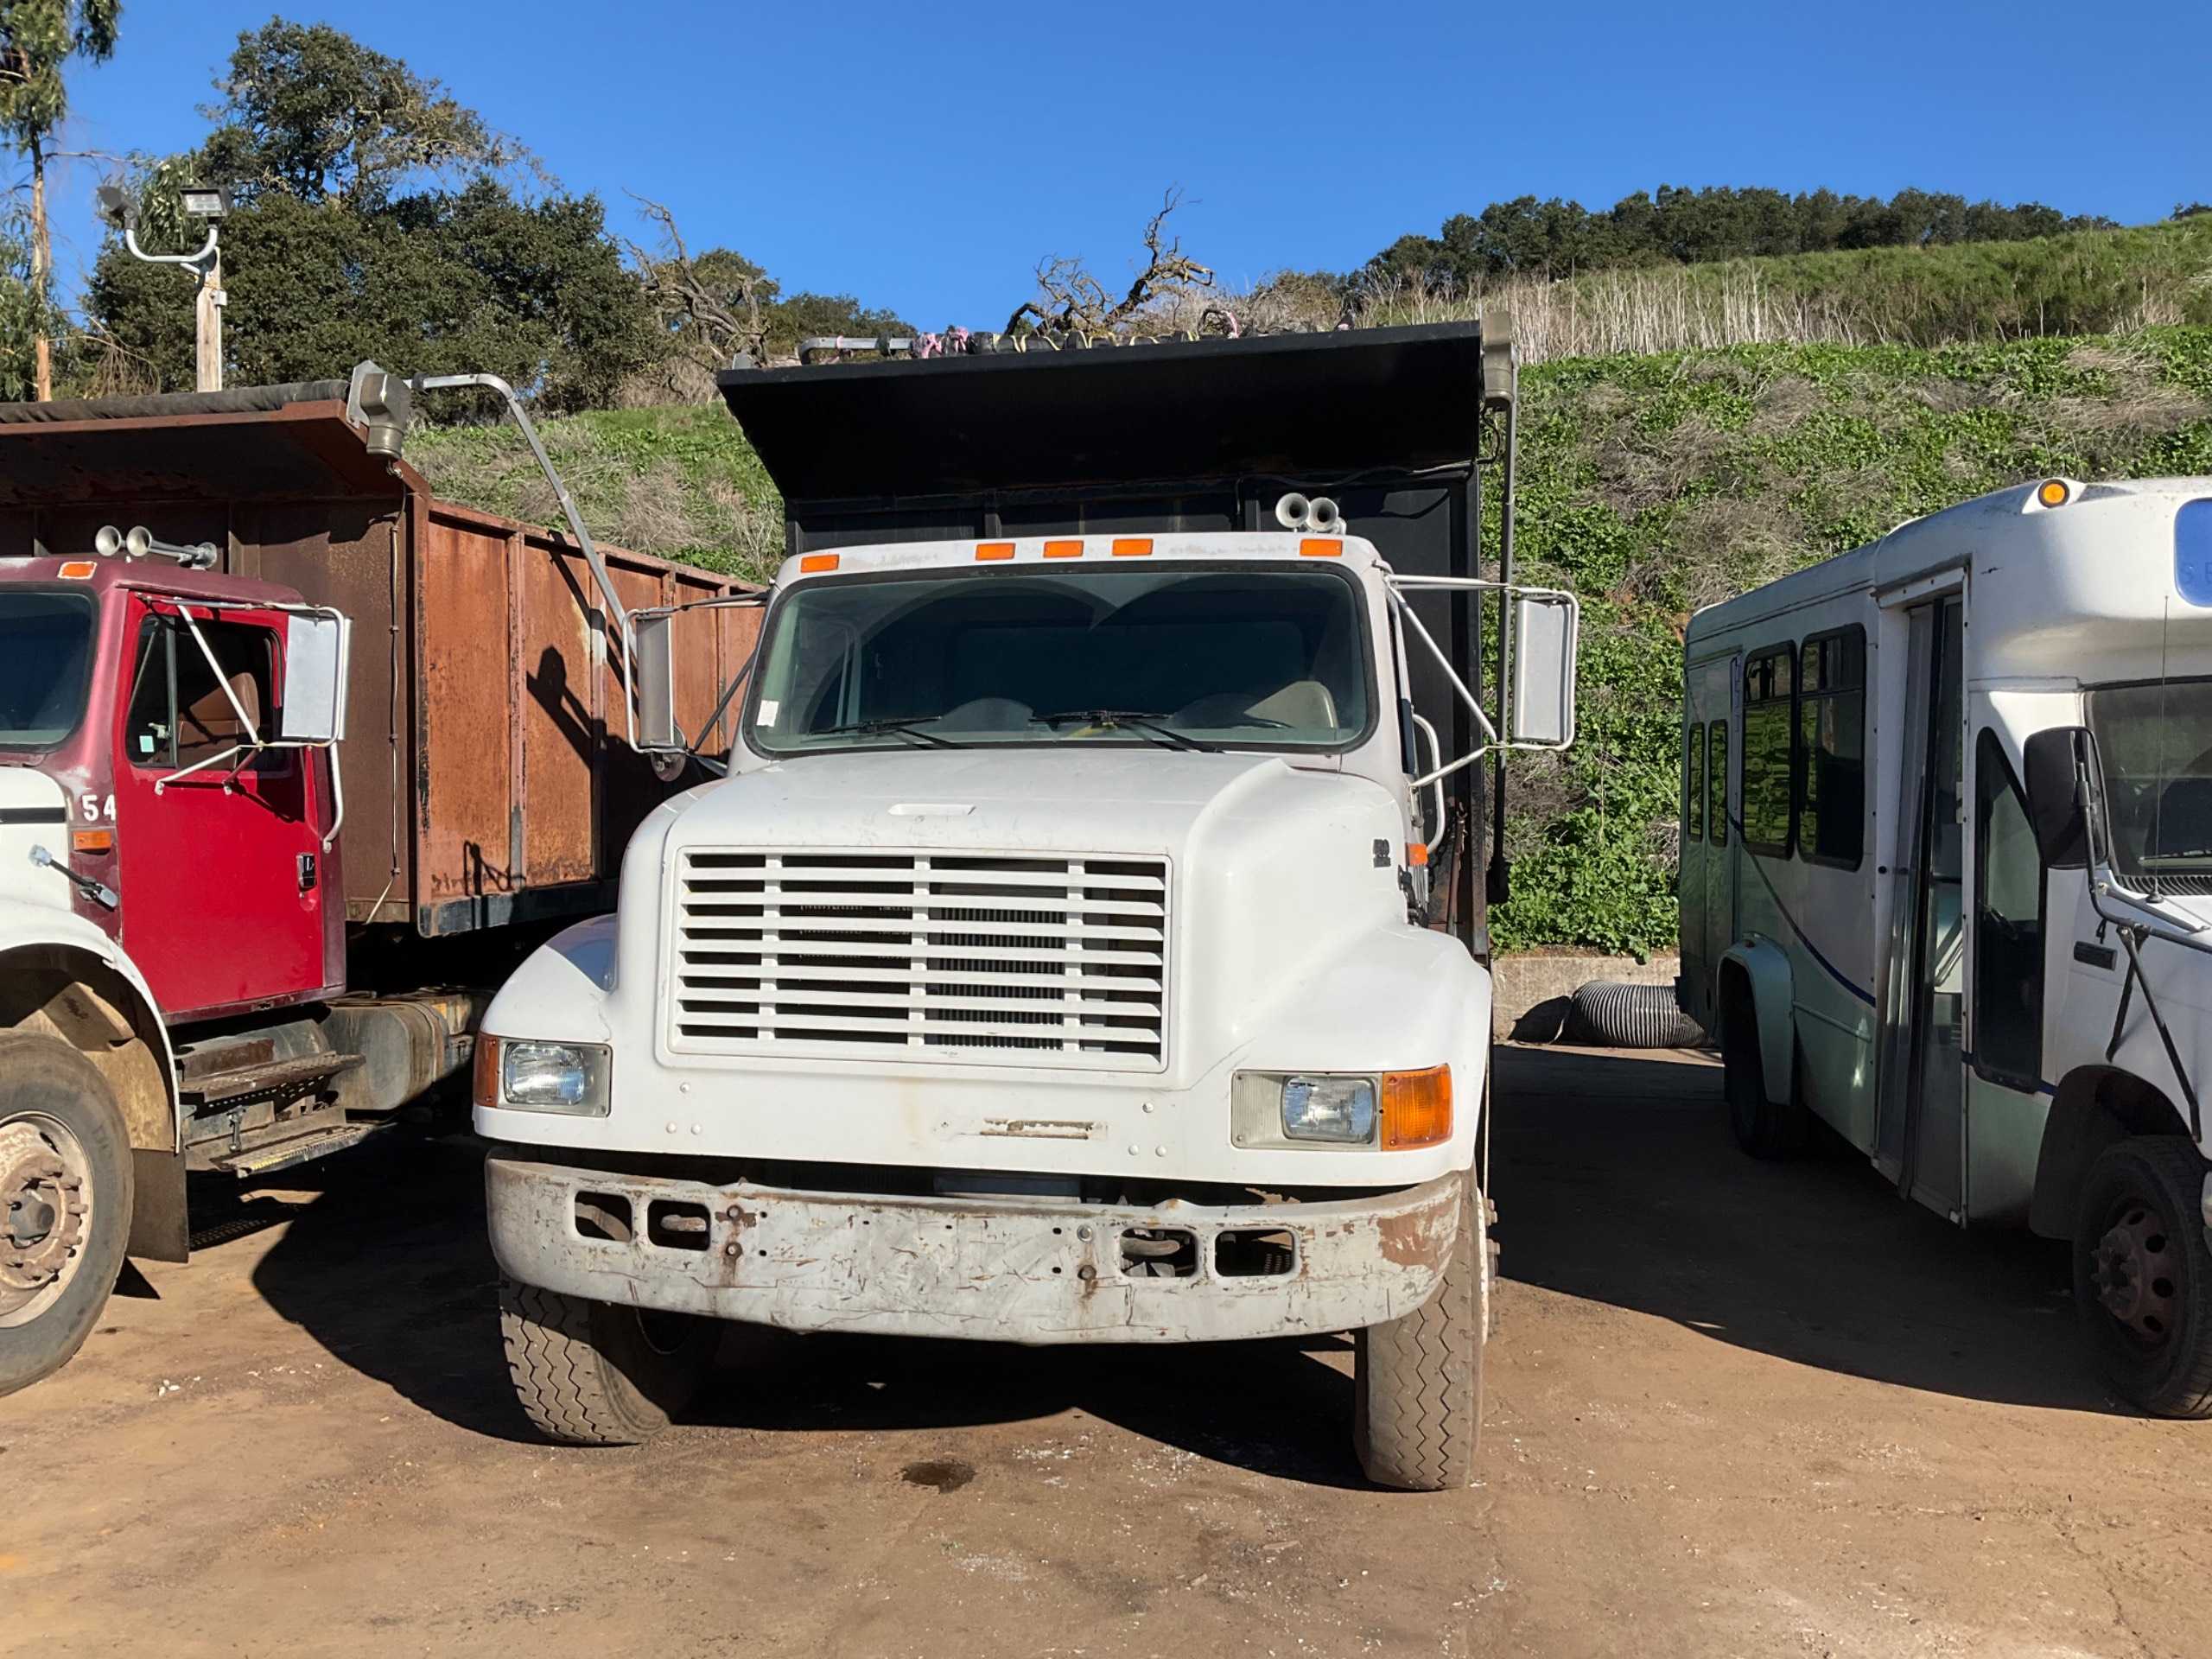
point(525, 1074)
point(1329, 1108)
point(1397, 1110)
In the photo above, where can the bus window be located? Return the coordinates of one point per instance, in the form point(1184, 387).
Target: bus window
point(1832, 747)
point(1769, 735)
point(1693, 786)
point(2007, 926)
point(1716, 734)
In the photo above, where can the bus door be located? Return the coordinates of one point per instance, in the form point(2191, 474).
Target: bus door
point(1921, 1111)
point(1707, 881)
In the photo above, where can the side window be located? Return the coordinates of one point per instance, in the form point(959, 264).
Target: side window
point(185, 709)
point(2007, 925)
point(1718, 771)
point(1832, 747)
point(1768, 739)
point(1694, 785)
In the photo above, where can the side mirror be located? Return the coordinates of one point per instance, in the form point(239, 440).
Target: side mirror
point(652, 665)
point(1547, 633)
point(315, 650)
point(2057, 765)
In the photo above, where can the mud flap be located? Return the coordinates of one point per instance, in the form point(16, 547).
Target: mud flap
point(160, 1231)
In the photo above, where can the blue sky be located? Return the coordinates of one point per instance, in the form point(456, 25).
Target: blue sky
point(924, 157)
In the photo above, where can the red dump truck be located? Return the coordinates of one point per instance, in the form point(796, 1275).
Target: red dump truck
point(296, 761)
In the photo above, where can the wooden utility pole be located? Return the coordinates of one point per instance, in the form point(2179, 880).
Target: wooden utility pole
point(207, 325)
point(41, 256)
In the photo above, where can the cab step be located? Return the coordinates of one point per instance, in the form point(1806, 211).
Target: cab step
point(300, 1149)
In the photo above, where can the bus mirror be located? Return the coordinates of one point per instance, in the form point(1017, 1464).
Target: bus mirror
point(315, 677)
point(1545, 636)
point(2056, 763)
point(654, 660)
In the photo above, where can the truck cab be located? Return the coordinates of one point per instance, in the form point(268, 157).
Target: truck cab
point(1062, 960)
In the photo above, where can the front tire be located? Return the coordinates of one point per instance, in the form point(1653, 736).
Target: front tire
point(593, 1374)
point(1417, 1382)
point(2142, 1281)
point(65, 1204)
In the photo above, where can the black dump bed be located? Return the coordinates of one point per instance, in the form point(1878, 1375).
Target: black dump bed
point(1173, 436)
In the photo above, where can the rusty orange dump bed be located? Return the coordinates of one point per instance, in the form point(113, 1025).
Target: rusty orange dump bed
point(486, 777)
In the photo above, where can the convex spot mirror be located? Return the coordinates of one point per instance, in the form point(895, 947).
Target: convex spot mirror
point(2057, 764)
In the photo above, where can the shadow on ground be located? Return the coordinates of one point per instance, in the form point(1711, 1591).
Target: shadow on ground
point(1617, 1181)
point(385, 1262)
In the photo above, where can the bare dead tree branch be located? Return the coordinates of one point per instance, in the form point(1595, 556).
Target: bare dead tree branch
point(1071, 300)
point(717, 319)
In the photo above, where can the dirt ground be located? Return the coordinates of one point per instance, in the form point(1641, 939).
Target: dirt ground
point(1733, 1409)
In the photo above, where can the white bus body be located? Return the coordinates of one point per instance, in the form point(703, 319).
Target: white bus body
point(1946, 882)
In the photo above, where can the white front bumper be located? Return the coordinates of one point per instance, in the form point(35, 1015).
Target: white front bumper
point(1000, 1269)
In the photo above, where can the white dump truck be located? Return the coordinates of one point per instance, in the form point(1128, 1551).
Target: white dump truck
point(1087, 941)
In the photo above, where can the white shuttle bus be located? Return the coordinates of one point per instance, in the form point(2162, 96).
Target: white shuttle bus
point(1946, 883)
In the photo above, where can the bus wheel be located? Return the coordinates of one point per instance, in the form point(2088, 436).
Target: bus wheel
point(65, 1204)
point(1417, 1382)
point(1763, 1128)
point(2142, 1281)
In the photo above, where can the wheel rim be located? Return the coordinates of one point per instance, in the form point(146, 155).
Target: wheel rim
point(2136, 1270)
point(45, 1212)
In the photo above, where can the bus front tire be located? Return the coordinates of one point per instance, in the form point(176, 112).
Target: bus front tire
point(1417, 1382)
point(2142, 1280)
point(65, 1203)
point(590, 1373)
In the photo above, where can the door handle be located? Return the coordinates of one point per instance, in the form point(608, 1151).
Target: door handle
point(2096, 955)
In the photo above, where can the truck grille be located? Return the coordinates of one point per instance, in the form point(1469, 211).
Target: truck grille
point(976, 958)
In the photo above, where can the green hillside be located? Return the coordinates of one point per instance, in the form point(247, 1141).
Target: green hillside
point(1651, 484)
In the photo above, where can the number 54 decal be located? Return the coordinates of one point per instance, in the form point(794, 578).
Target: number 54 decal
point(94, 810)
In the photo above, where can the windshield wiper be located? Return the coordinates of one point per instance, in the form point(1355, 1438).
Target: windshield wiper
point(1144, 723)
point(906, 727)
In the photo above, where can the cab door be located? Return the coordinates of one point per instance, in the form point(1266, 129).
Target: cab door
point(218, 842)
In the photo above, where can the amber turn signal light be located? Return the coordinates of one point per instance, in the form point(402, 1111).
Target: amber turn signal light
point(92, 841)
point(484, 1076)
point(2053, 492)
point(1416, 1108)
point(809, 564)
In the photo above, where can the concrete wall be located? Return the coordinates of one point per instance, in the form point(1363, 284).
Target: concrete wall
point(1529, 993)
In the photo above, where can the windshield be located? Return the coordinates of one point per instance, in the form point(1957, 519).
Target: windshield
point(1180, 656)
point(45, 658)
point(2155, 741)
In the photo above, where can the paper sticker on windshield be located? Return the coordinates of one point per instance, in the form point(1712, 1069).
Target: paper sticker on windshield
point(2193, 551)
point(768, 706)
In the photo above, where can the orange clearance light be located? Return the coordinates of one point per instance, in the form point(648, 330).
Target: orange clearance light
point(1416, 1108)
point(1063, 550)
point(92, 841)
point(2054, 492)
point(1321, 547)
point(1135, 546)
point(988, 550)
point(810, 563)
point(1416, 853)
point(77, 570)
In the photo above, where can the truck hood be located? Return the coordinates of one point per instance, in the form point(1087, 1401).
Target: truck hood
point(1148, 800)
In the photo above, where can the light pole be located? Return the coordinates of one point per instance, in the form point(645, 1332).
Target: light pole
point(206, 201)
